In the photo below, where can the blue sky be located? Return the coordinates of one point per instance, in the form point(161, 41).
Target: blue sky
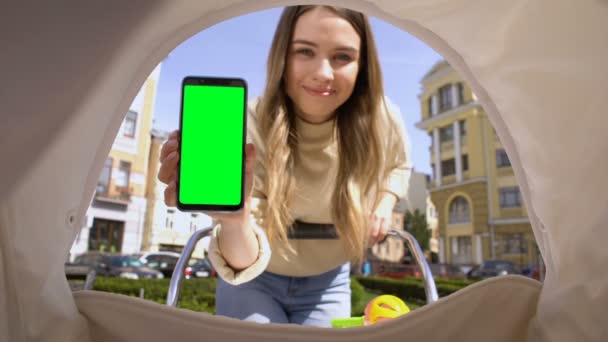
point(238, 48)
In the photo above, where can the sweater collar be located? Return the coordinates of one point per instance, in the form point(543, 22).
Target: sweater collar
point(313, 133)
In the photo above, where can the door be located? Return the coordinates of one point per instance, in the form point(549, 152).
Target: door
point(106, 235)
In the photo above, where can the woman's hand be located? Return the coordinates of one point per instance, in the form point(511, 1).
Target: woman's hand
point(169, 157)
point(380, 219)
point(167, 174)
point(237, 241)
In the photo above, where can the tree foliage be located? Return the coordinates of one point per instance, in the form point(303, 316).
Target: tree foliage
point(415, 223)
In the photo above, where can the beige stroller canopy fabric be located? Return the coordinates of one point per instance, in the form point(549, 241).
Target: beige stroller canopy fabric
point(70, 69)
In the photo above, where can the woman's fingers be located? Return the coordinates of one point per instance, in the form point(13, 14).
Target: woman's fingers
point(168, 168)
point(168, 158)
point(169, 146)
point(383, 230)
point(171, 194)
point(373, 233)
point(379, 229)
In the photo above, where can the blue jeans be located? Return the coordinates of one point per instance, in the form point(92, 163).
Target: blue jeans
point(273, 298)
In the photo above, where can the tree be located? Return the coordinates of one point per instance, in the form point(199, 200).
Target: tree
point(415, 223)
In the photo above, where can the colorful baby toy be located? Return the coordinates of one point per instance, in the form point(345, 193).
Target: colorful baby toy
point(378, 309)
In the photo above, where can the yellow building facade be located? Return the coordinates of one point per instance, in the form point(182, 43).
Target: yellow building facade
point(115, 218)
point(480, 212)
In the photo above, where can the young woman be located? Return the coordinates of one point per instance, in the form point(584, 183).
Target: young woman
point(325, 148)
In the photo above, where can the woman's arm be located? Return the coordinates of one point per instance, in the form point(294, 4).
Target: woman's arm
point(239, 253)
point(239, 249)
point(398, 166)
point(239, 244)
point(397, 171)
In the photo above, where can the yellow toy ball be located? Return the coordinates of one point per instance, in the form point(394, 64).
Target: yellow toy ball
point(384, 307)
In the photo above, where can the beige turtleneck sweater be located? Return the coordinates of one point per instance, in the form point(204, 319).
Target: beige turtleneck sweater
point(315, 174)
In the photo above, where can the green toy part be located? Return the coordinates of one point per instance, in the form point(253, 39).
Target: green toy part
point(348, 322)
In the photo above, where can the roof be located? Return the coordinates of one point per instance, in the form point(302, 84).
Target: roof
point(435, 68)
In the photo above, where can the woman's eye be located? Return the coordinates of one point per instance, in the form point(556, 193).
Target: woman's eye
point(305, 52)
point(343, 58)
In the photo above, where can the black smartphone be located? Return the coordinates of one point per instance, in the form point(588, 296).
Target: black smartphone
point(211, 168)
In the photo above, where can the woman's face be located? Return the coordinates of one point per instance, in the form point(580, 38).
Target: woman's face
point(322, 64)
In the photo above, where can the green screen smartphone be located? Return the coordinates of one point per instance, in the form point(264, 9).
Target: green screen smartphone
point(211, 168)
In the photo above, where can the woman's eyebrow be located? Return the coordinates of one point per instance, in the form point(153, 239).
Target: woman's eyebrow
point(313, 44)
point(304, 42)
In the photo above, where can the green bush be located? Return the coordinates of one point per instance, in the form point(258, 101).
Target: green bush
point(357, 291)
point(359, 297)
point(197, 294)
point(410, 289)
point(455, 282)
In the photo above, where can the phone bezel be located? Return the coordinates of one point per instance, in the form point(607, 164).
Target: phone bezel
point(212, 81)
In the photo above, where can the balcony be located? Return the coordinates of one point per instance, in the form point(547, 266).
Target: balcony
point(114, 194)
point(434, 120)
point(449, 144)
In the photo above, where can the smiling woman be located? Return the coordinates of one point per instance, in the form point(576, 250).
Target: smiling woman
point(338, 159)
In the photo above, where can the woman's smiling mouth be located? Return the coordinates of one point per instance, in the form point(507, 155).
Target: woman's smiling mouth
point(319, 91)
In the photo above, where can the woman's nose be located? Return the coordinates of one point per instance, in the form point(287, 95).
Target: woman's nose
point(324, 71)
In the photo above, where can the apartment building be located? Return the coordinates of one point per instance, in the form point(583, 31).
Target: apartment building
point(115, 218)
point(480, 213)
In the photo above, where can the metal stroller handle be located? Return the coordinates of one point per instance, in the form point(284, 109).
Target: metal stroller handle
point(429, 283)
point(180, 268)
point(178, 274)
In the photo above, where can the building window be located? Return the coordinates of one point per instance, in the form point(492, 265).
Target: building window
point(448, 167)
point(103, 183)
point(510, 197)
point(465, 162)
point(463, 128)
point(502, 160)
point(129, 125)
point(460, 93)
point(122, 176)
point(430, 106)
point(170, 218)
point(515, 243)
point(459, 211)
point(106, 235)
point(445, 98)
point(462, 250)
point(431, 212)
point(446, 133)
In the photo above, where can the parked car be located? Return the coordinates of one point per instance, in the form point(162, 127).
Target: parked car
point(532, 271)
point(199, 268)
point(163, 262)
point(493, 268)
point(116, 265)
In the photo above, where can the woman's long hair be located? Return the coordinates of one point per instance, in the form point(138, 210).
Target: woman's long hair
point(360, 148)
